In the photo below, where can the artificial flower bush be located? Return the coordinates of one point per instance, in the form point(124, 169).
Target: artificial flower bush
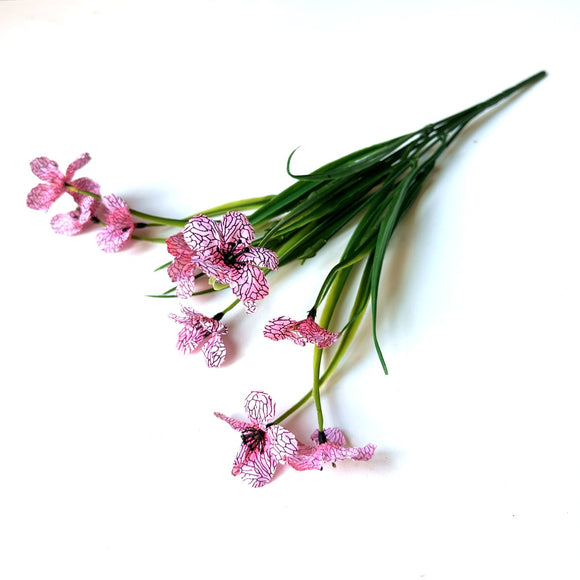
point(234, 248)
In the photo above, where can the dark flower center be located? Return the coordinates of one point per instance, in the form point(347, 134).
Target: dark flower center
point(254, 439)
point(229, 254)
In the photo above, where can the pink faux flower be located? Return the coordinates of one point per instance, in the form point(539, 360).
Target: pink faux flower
point(299, 332)
point(183, 269)
point(329, 446)
point(199, 330)
point(223, 251)
point(263, 445)
point(119, 224)
point(45, 194)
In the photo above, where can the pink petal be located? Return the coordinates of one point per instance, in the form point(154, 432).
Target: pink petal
point(281, 328)
point(234, 423)
point(76, 165)
point(260, 408)
point(86, 184)
point(43, 196)
point(112, 238)
point(261, 257)
point(314, 333)
point(119, 226)
point(214, 351)
point(202, 235)
point(249, 284)
point(73, 222)
point(333, 435)
point(183, 268)
point(258, 470)
point(47, 170)
point(236, 228)
point(281, 442)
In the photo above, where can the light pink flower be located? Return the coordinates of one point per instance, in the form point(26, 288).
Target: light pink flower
point(299, 332)
point(263, 445)
point(119, 224)
point(223, 251)
point(45, 194)
point(199, 330)
point(329, 446)
point(183, 269)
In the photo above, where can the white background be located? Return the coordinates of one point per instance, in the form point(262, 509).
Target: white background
point(112, 464)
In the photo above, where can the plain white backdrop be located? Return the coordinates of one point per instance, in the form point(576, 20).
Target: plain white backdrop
point(112, 464)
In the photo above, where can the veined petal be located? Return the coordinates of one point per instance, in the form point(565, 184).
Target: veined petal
point(333, 435)
point(249, 283)
point(86, 184)
point(281, 442)
point(261, 257)
point(260, 408)
point(76, 165)
point(43, 196)
point(258, 469)
point(202, 235)
point(236, 228)
point(214, 351)
point(234, 423)
point(281, 328)
point(47, 170)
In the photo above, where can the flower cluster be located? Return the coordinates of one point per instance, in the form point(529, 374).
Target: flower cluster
point(85, 193)
point(235, 246)
point(266, 444)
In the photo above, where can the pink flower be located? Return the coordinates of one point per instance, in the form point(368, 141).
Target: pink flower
point(119, 224)
point(263, 445)
point(184, 267)
point(223, 251)
point(329, 446)
point(299, 332)
point(199, 330)
point(45, 194)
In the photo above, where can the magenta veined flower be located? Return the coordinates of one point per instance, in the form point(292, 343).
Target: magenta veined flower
point(199, 330)
point(183, 269)
point(329, 447)
point(300, 332)
point(264, 445)
point(223, 251)
point(45, 194)
point(118, 224)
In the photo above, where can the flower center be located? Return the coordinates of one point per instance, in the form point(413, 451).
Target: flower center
point(229, 254)
point(254, 439)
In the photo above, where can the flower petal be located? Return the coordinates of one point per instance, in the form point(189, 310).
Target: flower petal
point(47, 170)
point(260, 408)
point(202, 235)
point(281, 442)
point(234, 423)
point(261, 257)
point(281, 328)
point(76, 165)
point(249, 283)
point(236, 228)
point(214, 351)
point(258, 469)
point(86, 184)
point(43, 196)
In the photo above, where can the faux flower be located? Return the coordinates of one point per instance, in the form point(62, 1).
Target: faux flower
point(200, 330)
point(299, 332)
point(119, 224)
point(183, 269)
point(45, 194)
point(329, 446)
point(263, 445)
point(223, 251)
